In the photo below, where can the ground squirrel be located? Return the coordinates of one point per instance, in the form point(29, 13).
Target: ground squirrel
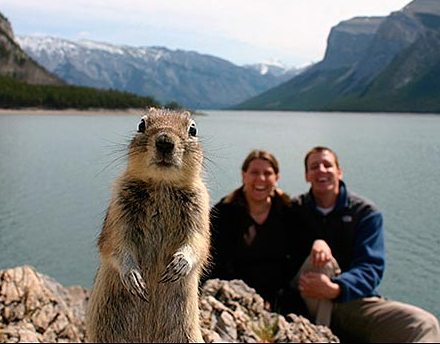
point(155, 239)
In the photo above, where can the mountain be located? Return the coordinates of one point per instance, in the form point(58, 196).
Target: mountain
point(15, 63)
point(274, 68)
point(389, 64)
point(193, 80)
point(26, 84)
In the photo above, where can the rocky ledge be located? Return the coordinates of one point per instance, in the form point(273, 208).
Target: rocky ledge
point(36, 308)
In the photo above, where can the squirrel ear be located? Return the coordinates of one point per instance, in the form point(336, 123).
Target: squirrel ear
point(152, 110)
point(142, 125)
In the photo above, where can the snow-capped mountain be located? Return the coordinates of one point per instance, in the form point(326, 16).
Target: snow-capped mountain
point(192, 79)
point(275, 68)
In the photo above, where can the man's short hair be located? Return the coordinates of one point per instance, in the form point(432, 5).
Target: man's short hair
point(319, 149)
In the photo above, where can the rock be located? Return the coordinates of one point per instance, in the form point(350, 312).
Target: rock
point(35, 308)
point(231, 311)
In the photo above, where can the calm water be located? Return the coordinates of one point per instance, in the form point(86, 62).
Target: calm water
point(56, 174)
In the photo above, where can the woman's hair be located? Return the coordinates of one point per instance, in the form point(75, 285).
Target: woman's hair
point(263, 155)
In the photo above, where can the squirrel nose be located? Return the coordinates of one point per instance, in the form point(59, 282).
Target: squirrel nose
point(164, 144)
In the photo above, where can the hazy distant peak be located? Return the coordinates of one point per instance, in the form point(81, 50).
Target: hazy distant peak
point(106, 47)
point(62, 45)
point(41, 42)
point(272, 67)
point(264, 69)
point(275, 63)
point(154, 53)
point(49, 46)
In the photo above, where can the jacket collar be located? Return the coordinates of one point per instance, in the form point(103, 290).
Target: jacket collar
point(238, 198)
point(341, 202)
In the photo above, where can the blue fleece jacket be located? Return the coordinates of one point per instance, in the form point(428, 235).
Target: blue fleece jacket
point(354, 231)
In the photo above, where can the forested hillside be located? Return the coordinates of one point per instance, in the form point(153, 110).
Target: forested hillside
point(24, 83)
point(18, 94)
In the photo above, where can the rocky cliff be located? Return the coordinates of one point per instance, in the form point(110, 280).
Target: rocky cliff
point(348, 41)
point(371, 64)
point(15, 63)
point(35, 308)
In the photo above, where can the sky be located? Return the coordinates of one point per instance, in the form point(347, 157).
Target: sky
point(291, 32)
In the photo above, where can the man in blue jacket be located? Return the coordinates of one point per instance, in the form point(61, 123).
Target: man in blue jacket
point(342, 236)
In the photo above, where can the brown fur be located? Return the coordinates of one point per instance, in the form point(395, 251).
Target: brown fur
point(155, 240)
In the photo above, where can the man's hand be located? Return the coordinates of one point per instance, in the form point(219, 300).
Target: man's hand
point(321, 253)
point(318, 286)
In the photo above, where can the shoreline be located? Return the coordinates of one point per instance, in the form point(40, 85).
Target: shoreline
point(76, 112)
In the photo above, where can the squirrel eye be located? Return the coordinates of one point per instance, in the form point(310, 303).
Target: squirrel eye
point(192, 130)
point(141, 126)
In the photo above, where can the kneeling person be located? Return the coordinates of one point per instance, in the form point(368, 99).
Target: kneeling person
point(342, 236)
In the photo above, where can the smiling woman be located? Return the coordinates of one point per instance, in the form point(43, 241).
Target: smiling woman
point(260, 174)
point(250, 233)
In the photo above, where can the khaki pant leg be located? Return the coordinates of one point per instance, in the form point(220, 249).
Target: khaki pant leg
point(377, 320)
point(319, 309)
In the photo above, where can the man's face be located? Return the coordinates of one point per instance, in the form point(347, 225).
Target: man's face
point(322, 173)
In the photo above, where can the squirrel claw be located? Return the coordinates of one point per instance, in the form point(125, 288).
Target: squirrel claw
point(177, 268)
point(135, 284)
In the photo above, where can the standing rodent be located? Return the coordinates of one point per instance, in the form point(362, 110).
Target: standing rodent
point(155, 239)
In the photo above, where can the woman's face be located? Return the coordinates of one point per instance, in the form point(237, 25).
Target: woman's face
point(259, 180)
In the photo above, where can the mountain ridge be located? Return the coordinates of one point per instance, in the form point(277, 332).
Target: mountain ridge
point(25, 83)
point(388, 69)
point(192, 79)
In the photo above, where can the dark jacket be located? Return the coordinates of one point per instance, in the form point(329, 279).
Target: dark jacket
point(263, 262)
point(354, 231)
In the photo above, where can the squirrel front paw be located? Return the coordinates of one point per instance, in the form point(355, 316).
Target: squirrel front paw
point(135, 284)
point(179, 267)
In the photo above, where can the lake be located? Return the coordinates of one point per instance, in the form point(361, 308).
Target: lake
point(56, 174)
